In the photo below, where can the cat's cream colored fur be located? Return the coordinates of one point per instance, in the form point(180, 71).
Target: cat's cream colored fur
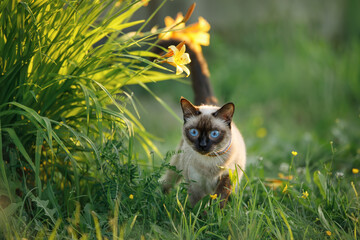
point(202, 172)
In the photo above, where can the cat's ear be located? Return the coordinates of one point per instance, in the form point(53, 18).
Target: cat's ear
point(188, 108)
point(225, 113)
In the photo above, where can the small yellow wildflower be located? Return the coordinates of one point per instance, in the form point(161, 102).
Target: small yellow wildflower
point(285, 189)
point(179, 59)
point(261, 132)
point(328, 233)
point(294, 153)
point(213, 196)
point(305, 195)
point(131, 196)
point(355, 171)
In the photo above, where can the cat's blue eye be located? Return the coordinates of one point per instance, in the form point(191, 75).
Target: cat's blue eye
point(193, 132)
point(214, 133)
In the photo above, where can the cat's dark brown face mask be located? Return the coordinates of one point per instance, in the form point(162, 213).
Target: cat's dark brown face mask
point(205, 131)
point(204, 136)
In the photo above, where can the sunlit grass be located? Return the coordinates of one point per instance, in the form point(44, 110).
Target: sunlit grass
point(138, 208)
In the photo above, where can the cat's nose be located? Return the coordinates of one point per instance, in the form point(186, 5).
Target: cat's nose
point(203, 143)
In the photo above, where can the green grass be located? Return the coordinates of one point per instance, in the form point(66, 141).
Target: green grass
point(258, 211)
point(293, 91)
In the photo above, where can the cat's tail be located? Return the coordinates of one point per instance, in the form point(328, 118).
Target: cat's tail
point(200, 75)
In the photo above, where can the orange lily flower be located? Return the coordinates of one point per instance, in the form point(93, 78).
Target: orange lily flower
point(196, 33)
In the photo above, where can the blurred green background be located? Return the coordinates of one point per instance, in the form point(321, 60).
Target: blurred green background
point(290, 67)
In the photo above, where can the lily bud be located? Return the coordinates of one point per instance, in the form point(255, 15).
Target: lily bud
point(189, 13)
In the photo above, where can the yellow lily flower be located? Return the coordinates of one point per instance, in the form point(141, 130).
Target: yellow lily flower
point(179, 59)
point(171, 26)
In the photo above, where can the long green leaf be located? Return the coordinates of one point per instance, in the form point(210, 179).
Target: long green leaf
point(14, 137)
point(38, 147)
point(2, 167)
point(320, 181)
point(286, 223)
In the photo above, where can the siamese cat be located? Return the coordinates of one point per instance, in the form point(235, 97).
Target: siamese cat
point(211, 144)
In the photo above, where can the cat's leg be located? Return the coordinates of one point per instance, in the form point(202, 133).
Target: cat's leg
point(223, 189)
point(196, 193)
point(170, 179)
